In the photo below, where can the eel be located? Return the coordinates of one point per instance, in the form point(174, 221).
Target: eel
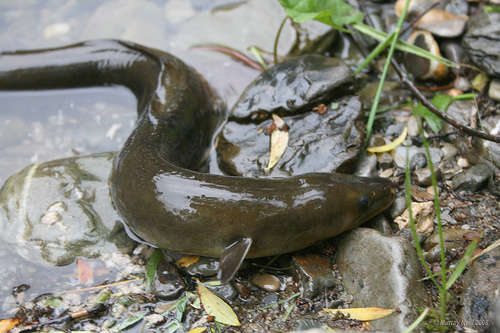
point(154, 183)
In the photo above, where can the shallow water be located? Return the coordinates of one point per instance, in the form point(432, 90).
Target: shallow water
point(45, 125)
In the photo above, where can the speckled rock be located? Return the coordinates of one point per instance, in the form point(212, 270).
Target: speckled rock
point(314, 273)
point(381, 271)
point(57, 211)
point(480, 292)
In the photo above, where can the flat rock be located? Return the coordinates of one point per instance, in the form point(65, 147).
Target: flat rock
point(381, 271)
point(480, 289)
point(473, 179)
point(56, 211)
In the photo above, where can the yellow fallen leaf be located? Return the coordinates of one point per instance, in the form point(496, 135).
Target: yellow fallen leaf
point(363, 314)
point(216, 307)
point(198, 330)
point(279, 141)
point(390, 146)
point(187, 261)
point(8, 324)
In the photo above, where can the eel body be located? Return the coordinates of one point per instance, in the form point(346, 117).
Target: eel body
point(154, 183)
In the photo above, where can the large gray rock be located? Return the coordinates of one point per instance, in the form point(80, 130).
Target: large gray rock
point(480, 292)
point(56, 211)
point(381, 271)
point(482, 42)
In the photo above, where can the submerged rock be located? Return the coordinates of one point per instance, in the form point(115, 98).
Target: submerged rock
point(381, 271)
point(56, 211)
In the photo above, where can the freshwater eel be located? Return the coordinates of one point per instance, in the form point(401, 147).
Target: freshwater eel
point(154, 183)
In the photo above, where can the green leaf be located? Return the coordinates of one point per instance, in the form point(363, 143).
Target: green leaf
point(442, 102)
point(131, 321)
point(153, 262)
point(336, 13)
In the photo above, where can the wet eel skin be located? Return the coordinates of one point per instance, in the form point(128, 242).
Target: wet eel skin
point(154, 185)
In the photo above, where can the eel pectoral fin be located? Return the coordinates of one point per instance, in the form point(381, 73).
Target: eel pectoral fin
point(231, 259)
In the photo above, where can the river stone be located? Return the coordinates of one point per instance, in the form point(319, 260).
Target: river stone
point(56, 211)
point(381, 271)
point(317, 143)
point(295, 86)
point(480, 292)
point(314, 273)
point(473, 179)
point(167, 283)
point(482, 42)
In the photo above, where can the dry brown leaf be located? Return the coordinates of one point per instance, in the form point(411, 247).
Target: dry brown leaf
point(363, 314)
point(8, 324)
point(85, 272)
point(187, 261)
point(279, 141)
point(216, 307)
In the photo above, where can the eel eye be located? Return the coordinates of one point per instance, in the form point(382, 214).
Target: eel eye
point(364, 202)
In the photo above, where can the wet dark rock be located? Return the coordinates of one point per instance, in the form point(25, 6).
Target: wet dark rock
point(422, 176)
point(480, 292)
point(473, 179)
point(398, 206)
point(167, 283)
point(226, 291)
point(381, 271)
point(314, 273)
point(380, 224)
point(57, 211)
point(482, 42)
point(205, 266)
point(295, 86)
point(317, 143)
point(267, 282)
point(453, 240)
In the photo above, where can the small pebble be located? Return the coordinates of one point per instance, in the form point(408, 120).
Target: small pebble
point(413, 130)
point(267, 282)
point(494, 90)
point(430, 190)
point(463, 163)
point(385, 160)
point(423, 177)
point(449, 151)
point(387, 173)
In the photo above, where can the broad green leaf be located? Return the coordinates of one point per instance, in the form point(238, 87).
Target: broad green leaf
point(216, 307)
point(390, 146)
point(151, 266)
point(363, 314)
point(442, 102)
point(332, 12)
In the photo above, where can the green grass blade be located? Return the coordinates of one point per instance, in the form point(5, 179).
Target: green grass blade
point(401, 45)
point(374, 53)
point(417, 321)
point(463, 262)
point(151, 266)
